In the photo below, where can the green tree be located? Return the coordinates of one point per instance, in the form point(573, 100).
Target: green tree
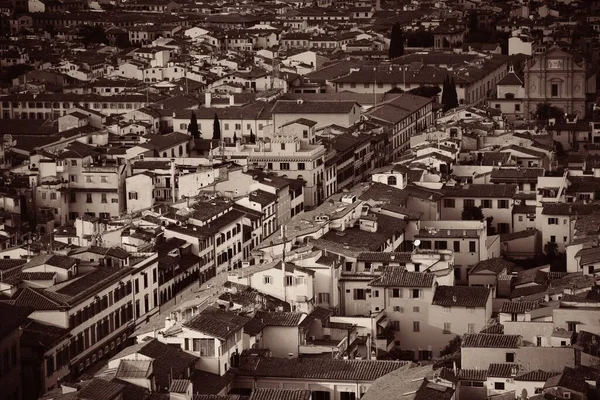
point(551, 249)
point(234, 137)
point(545, 111)
point(92, 35)
point(396, 42)
point(122, 42)
point(472, 213)
point(395, 90)
point(216, 128)
point(252, 137)
point(445, 90)
point(426, 91)
point(450, 354)
point(449, 95)
point(193, 127)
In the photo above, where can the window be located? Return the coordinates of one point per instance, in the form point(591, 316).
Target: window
point(416, 326)
point(301, 166)
point(320, 395)
point(104, 199)
point(396, 293)
point(289, 281)
point(502, 203)
point(457, 246)
point(567, 395)
point(396, 326)
point(88, 179)
point(267, 279)
point(449, 203)
point(554, 90)
point(447, 310)
point(323, 298)
point(553, 239)
point(398, 309)
point(284, 166)
point(470, 328)
point(447, 328)
point(517, 107)
point(52, 196)
point(73, 178)
point(359, 294)
point(472, 246)
point(469, 202)
point(416, 293)
point(416, 309)
point(486, 203)
point(552, 221)
point(133, 195)
point(73, 163)
point(88, 198)
point(103, 179)
point(375, 293)
point(538, 341)
point(206, 347)
point(510, 357)
point(440, 245)
point(499, 385)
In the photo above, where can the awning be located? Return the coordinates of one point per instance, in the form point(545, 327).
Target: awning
point(384, 322)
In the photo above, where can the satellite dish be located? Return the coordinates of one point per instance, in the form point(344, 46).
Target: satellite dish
point(417, 243)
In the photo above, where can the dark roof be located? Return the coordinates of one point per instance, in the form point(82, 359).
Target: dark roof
point(472, 374)
point(461, 296)
point(36, 334)
point(384, 193)
point(536, 376)
point(495, 265)
point(518, 307)
point(12, 318)
point(168, 360)
point(380, 256)
point(400, 277)
point(41, 299)
point(279, 318)
point(494, 329)
point(280, 394)
point(570, 209)
point(318, 313)
point(516, 175)
point(569, 379)
point(481, 191)
point(63, 262)
point(217, 323)
point(532, 275)
point(313, 107)
point(491, 340)
point(99, 389)
point(318, 368)
point(253, 327)
point(503, 370)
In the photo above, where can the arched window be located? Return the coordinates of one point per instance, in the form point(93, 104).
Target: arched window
point(392, 181)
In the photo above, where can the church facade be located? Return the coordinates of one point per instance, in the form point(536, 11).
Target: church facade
point(557, 77)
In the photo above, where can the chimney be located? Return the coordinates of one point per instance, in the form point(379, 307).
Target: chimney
point(208, 99)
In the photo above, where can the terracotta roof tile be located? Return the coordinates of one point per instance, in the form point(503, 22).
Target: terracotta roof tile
point(279, 318)
point(321, 368)
point(280, 394)
point(380, 256)
point(491, 341)
point(472, 375)
point(461, 296)
point(519, 307)
point(217, 323)
point(400, 277)
point(500, 370)
point(536, 376)
point(481, 191)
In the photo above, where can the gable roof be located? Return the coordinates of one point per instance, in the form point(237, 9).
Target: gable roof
point(313, 107)
point(217, 323)
point(400, 277)
point(491, 340)
point(280, 318)
point(495, 265)
point(461, 296)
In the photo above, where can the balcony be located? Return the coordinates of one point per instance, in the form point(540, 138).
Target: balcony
point(321, 346)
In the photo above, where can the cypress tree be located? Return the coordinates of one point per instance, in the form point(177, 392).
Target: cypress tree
point(193, 127)
point(234, 137)
point(396, 42)
point(445, 92)
point(216, 128)
point(252, 138)
point(453, 99)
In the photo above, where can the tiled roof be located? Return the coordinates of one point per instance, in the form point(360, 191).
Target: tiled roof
point(280, 394)
point(560, 209)
point(99, 389)
point(501, 370)
point(533, 275)
point(279, 318)
point(36, 334)
point(253, 327)
point(216, 323)
point(318, 313)
point(400, 277)
point(318, 368)
point(497, 329)
point(519, 307)
point(481, 191)
point(491, 341)
point(313, 107)
point(380, 192)
point(380, 256)
point(12, 318)
point(134, 369)
point(496, 265)
point(41, 299)
point(516, 175)
point(536, 376)
point(461, 296)
point(569, 379)
point(63, 262)
point(472, 375)
point(179, 385)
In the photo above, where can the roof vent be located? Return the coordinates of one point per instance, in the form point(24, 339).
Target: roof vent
point(454, 299)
